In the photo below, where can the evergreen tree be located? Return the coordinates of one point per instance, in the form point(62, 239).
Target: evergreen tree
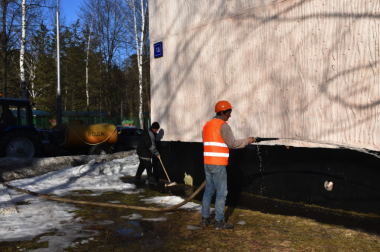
point(44, 88)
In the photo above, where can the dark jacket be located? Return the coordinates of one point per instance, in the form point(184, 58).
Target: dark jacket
point(147, 145)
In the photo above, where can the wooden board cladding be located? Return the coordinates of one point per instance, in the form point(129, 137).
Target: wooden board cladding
point(301, 69)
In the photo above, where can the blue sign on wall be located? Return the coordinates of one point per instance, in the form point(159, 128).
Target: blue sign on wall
point(158, 50)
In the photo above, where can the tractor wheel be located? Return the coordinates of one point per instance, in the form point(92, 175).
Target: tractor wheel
point(100, 149)
point(19, 144)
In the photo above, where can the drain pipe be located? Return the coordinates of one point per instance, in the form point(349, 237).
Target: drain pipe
point(108, 204)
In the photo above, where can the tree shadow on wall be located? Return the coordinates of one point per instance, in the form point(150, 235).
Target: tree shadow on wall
point(191, 55)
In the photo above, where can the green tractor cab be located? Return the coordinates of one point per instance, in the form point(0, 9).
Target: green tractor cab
point(18, 136)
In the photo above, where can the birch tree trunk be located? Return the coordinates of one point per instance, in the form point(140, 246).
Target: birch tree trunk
point(139, 48)
point(66, 100)
point(32, 76)
point(100, 88)
point(66, 91)
point(88, 53)
point(24, 91)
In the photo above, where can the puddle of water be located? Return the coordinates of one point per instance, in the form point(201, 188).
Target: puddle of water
point(132, 229)
point(129, 233)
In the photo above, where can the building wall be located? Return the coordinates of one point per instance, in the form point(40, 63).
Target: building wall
point(299, 69)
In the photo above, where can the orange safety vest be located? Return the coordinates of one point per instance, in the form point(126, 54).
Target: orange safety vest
point(215, 150)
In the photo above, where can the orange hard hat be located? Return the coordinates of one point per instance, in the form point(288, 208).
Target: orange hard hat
point(222, 105)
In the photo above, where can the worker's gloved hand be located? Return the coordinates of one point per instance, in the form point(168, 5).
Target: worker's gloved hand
point(251, 140)
point(159, 157)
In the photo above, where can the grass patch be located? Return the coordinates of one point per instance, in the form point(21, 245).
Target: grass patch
point(82, 191)
point(263, 232)
point(311, 206)
point(25, 245)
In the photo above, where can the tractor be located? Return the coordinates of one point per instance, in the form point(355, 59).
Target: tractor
point(18, 136)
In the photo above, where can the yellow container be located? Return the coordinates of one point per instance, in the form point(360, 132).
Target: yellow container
point(80, 135)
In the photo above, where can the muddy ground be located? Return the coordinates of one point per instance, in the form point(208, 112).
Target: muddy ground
point(261, 224)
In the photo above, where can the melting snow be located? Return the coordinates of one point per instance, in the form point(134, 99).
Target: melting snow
point(241, 223)
point(37, 215)
point(167, 201)
point(193, 227)
point(155, 219)
point(133, 217)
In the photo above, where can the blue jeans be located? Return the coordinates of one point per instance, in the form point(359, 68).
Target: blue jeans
point(216, 179)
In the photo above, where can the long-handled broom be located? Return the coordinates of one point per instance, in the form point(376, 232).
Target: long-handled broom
point(170, 183)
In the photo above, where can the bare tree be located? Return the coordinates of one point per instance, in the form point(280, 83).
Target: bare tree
point(22, 50)
point(134, 21)
point(107, 33)
point(8, 39)
point(88, 53)
point(29, 14)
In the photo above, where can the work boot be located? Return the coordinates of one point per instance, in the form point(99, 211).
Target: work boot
point(151, 181)
point(207, 221)
point(222, 225)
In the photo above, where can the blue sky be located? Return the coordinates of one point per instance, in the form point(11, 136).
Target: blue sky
point(69, 8)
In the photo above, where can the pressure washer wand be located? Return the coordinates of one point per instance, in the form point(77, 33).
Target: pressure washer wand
point(262, 139)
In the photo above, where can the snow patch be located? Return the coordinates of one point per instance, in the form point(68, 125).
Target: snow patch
point(40, 216)
point(167, 201)
point(6, 205)
point(132, 217)
point(193, 227)
point(155, 219)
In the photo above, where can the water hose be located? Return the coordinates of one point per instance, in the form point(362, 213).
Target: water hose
point(108, 204)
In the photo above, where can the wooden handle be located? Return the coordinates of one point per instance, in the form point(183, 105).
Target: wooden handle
point(164, 169)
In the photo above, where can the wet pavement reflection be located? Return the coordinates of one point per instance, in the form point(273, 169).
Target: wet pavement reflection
point(134, 232)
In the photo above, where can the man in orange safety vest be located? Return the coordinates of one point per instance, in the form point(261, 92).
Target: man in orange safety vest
point(217, 140)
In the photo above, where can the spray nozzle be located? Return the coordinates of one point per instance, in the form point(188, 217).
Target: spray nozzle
point(261, 139)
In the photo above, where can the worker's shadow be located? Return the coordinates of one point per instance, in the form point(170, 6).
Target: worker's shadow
point(156, 166)
point(160, 134)
point(237, 179)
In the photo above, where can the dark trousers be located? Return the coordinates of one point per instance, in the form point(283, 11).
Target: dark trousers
point(145, 164)
point(156, 166)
